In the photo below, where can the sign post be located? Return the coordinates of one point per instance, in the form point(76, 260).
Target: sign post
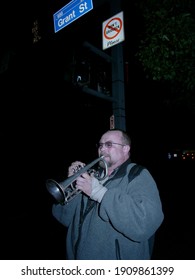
point(70, 12)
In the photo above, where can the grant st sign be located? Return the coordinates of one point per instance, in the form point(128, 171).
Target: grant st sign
point(70, 12)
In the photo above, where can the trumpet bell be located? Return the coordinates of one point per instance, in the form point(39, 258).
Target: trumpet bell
point(55, 190)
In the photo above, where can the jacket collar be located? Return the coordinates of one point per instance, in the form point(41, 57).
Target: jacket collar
point(121, 170)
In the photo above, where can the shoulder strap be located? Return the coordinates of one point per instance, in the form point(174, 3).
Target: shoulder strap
point(135, 171)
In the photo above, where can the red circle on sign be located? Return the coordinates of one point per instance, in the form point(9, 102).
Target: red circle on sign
point(109, 26)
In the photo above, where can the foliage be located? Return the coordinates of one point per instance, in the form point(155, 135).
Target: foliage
point(167, 49)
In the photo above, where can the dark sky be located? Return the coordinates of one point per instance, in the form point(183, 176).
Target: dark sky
point(36, 74)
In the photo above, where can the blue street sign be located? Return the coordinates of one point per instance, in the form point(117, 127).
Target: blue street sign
point(70, 12)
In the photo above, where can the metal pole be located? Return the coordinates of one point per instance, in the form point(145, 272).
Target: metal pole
point(118, 88)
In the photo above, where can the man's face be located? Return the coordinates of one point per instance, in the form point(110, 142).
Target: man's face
point(113, 149)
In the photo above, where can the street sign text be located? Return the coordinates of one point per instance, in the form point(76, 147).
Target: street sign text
point(70, 12)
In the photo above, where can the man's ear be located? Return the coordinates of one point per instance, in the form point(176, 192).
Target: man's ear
point(127, 148)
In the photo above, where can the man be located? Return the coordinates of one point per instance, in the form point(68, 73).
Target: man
point(114, 218)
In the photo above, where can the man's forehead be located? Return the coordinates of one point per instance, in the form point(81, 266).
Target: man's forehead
point(111, 135)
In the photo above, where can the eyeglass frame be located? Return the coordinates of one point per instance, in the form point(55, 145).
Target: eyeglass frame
point(107, 144)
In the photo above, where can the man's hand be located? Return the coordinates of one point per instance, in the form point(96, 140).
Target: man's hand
point(75, 166)
point(84, 183)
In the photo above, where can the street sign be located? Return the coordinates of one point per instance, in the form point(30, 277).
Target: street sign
point(70, 12)
point(113, 31)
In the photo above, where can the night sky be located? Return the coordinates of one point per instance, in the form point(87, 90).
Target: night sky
point(35, 68)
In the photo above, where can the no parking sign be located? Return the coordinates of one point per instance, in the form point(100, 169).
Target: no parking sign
point(113, 31)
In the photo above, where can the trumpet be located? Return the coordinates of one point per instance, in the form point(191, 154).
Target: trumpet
point(66, 190)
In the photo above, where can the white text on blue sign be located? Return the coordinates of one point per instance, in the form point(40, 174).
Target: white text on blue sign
point(70, 13)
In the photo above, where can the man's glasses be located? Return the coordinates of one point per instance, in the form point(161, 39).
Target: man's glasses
point(108, 145)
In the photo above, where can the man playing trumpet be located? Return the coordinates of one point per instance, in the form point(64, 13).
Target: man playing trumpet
point(114, 218)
